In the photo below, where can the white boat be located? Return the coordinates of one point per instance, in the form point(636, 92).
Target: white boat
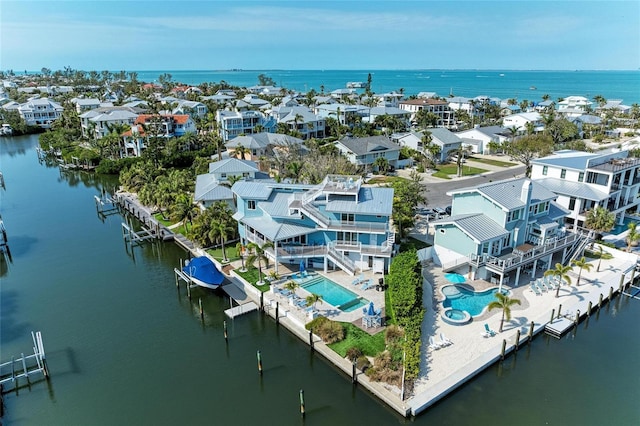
point(203, 272)
point(6, 130)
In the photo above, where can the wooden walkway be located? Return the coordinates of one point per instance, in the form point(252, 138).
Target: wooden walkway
point(130, 203)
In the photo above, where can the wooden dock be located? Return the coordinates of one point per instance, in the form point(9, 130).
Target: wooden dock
point(149, 224)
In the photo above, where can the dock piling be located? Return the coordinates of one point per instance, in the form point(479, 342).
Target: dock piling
point(311, 339)
point(504, 347)
point(589, 309)
point(577, 318)
point(553, 314)
point(600, 301)
point(559, 309)
point(610, 293)
point(301, 402)
point(517, 339)
point(277, 309)
point(201, 311)
point(259, 363)
point(224, 328)
point(531, 331)
point(354, 377)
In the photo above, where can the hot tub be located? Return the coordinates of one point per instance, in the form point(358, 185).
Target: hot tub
point(455, 316)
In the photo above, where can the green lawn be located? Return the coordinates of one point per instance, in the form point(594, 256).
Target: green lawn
point(413, 243)
point(445, 171)
point(492, 162)
point(230, 250)
point(251, 276)
point(384, 180)
point(355, 337)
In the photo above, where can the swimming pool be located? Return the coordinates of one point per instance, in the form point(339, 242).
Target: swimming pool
point(619, 229)
point(334, 294)
point(463, 299)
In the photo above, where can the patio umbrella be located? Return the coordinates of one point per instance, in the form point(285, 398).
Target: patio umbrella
point(302, 267)
point(454, 278)
point(370, 310)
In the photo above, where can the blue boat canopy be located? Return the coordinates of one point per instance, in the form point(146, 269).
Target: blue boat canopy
point(202, 268)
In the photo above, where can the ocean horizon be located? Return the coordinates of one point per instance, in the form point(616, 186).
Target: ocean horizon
point(501, 83)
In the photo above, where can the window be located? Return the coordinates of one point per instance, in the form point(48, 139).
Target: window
point(563, 173)
point(581, 177)
point(545, 169)
point(572, 203)
point(347, 217)
point(251, 204)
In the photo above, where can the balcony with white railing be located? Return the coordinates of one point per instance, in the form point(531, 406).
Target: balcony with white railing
point(515, 258)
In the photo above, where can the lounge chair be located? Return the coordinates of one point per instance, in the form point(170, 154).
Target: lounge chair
point(367, 284)
point(358, 280)
point(444, 340)
point(535, 289)
point(433, 344)
point(489, 331)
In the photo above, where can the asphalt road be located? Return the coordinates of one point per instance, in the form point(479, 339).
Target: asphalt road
point(437, 191)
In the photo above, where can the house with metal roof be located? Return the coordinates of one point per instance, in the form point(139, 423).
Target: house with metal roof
point(583, 181)
point(216, 185)
point(479, 138)
point(97, 123)
point(232, 124)
point(339, 223)
point(363, 152)
point(300, 119)
point(40, 112)
point(502, 229)
point(262, 144)
point(520, 121)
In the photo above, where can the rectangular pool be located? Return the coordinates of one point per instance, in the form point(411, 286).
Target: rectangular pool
point(334, 294)
point(619, 229)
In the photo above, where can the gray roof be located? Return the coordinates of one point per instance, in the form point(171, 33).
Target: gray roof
point(477, 225)
point(263, 140)
point(556, 211)
point(233, 165)
point(506, 193)
point(209, 189)
point(573, 189)
point(252, 190)
point(277, 230)
point(277, 205)
point(362, 146)
point(382, 110)
point(567, 159)
point(444, 135)
point(371, 201)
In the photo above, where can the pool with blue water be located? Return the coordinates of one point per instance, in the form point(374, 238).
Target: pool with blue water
point(334, 294)
point(464, 299)
point(619, 229)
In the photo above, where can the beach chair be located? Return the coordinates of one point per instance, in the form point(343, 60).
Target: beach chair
point(358, 280)
point(367, 284)
point(444, 340)
point(534, 289)
point(488, 331)
point(433, 344)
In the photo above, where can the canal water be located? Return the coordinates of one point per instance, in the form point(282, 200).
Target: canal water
point(126, 347)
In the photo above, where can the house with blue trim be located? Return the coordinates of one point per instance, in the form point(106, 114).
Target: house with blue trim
point(337, 224)
point(504, 229)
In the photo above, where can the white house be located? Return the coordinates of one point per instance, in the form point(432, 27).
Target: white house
point(365, 151)
point(574, 106)
point(96, 123)
point(519, 121)
point(479, 138)
point(40, 112)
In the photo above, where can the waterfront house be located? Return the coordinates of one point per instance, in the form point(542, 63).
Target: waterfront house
point(504, 228)
point(583, 181)
point(134, 141)
point(40, 112)
point(262, 144)
point(194, 109)
point(97, 123)
point(339, 223)
point(216, 185)
point(363, 152)
point(380, 111)
point(390, 99)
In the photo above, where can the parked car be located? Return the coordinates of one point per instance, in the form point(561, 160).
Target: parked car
point(440, 211)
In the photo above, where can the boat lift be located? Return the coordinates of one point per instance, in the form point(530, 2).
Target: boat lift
point(29, 364)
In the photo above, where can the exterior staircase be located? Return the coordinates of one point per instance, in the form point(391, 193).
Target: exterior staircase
point(341, 260)
point(577, 248)
point(316, 215)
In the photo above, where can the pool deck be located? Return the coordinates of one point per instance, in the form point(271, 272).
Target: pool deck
point(448, 368)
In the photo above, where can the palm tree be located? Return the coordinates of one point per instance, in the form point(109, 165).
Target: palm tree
point(633, 236)
point(240, 248)
point(292, 286)
point(460, 154)
point(562, 273)
point(312, 299)
point(504, 302)
point(599, 220)
point(601, 250)
point(582, 264)
point(241, 151)
point(258, 253)
point(220, 231)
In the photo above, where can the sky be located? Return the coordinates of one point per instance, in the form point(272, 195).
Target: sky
point(317, 34)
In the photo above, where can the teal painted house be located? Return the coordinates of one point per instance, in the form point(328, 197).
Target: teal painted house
point(501, 229)
point(339, 223)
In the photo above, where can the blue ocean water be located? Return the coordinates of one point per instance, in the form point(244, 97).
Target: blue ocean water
point(529, 85)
